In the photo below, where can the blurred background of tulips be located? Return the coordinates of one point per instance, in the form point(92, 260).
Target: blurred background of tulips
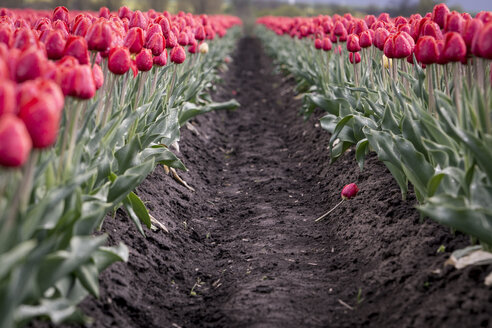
point(90, 103)
point(416, 90)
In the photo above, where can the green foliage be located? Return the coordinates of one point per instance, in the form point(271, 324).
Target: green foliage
point(446, 155)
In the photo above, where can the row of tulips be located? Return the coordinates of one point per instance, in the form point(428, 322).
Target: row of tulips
point(90, 103)
point(415, 90)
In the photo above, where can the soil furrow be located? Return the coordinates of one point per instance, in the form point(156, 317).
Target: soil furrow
point(243, 250)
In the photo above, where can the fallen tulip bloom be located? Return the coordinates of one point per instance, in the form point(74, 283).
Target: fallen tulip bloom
point(348, 192)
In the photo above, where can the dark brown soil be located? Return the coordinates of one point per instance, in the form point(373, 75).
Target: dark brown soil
point(247, 241)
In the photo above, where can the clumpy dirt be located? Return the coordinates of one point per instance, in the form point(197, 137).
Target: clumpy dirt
point(243, 250)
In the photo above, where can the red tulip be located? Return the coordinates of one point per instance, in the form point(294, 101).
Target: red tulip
point(200, 33)
point(77, 47)
point(144, 60)
point(82, 82)
point(439, 14)
point(178, 55)
point(134, 40)
point(104, 12)
point(24, 38)
point(171, 40)
point(431, 29)
point(380, 37)
point(426, 50)
point(482, 42)
point(365, 39)
point(318, 44)
point(42, 120)
point(99, 37)
point(454, 22)
point(327, 45)
point(138, 20)
point(356, 55)
point(125, 12)
point(82, 26)
point(60, 13)
point(183, 39)
point(350, 191)
point(15, 142)
point(55, 44)
point(454, 47)
point(353, 43)
point(29, 65)
point(119, 60)
point(193, 48)
point(161, 60)
point(339, 29)
point(98, 75)
point(8, 103)
point(156, 43)
point(471, 28)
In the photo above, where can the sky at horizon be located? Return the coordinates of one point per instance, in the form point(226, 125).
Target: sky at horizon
point(469, 5)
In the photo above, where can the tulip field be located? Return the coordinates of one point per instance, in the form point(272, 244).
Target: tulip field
point(350, 183)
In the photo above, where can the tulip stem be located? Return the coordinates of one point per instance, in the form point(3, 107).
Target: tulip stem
point(170, 88)
point(108, 104)
point(430, 86)
point(327, 213)
point(457, 93)
point(73, 134)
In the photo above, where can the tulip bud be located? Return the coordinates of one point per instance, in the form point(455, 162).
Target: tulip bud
point(327, 45)
point(55, 44)
point(8, 102)
point(318, 44)
point(42, 120)
point(29, 65)
point(144, 60)
point(203, 48)
point(134, 40)
point(350, 191)
point(426, 50)
point(356, 55)
point(77, 47)
point(454, 47)
point(439, 14)
point(161, 60)
point(353, 43)
point(119, 60)
point(99, 37)
point(98, 75)
point(15, 142)
point(178, 55)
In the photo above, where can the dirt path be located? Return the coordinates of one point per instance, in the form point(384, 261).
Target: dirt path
point(243, 250)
